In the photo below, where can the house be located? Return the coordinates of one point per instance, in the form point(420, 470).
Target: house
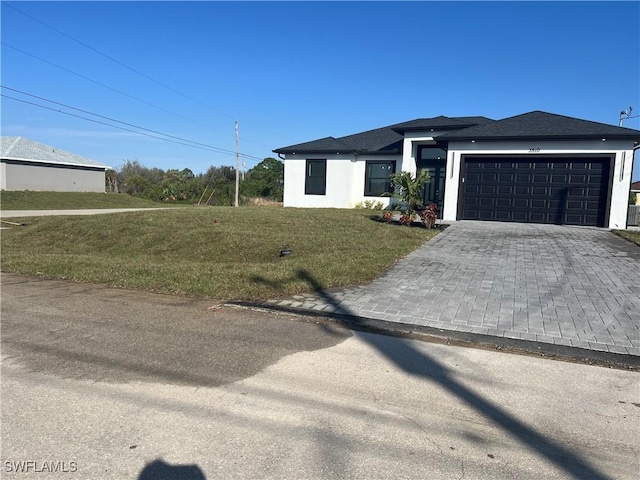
point(29, 165)
point(537, 167)
point(635, 188)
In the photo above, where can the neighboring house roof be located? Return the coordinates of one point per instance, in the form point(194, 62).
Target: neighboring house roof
point(542, 125)
point(530, 125)
point(20, 148)
point(635, 187)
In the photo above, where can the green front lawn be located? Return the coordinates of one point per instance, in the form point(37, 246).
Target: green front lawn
point(27, 200)
point(220, 252)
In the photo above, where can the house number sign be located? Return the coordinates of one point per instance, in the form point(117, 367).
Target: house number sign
point(534, 150)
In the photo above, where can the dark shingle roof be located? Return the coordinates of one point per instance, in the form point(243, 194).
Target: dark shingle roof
point(635, 187)
point(372, 141)
point(440, 123)
point(541, 125)
point(322, 145)
point(528, 125)
point(381, 140)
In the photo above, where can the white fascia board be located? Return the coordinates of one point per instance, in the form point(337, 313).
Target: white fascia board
point(540, 147)
point(46, 162)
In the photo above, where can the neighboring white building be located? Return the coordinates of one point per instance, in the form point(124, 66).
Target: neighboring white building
point(537, 167)
point(29, 165)
point(635, 188)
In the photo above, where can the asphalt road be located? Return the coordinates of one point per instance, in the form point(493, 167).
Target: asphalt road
point(102, 383)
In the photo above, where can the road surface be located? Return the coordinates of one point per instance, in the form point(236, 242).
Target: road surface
point(103, 383)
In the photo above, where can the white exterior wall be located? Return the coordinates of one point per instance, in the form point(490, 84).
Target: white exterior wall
point(345, 181)
point(411, 142)
point(622, 151)
point(359, 176)
point(339, 186)
point(47, 178)
point(346, 173)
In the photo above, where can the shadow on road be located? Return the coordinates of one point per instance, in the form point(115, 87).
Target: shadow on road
point(160, 470)
point(419, 364)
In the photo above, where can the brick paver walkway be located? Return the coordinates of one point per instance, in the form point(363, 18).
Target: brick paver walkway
point(572, 286)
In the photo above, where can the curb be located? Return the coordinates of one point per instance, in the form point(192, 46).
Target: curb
point(453, 337)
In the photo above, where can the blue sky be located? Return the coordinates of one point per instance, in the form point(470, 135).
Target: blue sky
point(291, 72)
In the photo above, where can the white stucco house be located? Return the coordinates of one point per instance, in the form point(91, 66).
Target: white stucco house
point(29, 165)
point(537, 167)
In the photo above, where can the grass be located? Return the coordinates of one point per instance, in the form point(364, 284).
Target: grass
point(216, 252)
point(631, 235)
point(26, 200)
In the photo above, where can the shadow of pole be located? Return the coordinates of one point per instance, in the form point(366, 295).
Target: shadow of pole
point(417, 363)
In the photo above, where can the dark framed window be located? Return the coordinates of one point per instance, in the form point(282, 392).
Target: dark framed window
point(316, 177)
point(377, 177)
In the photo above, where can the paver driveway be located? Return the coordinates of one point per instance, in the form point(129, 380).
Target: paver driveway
point(574, 286)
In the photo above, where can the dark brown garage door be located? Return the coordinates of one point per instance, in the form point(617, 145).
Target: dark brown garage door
point(571, 191)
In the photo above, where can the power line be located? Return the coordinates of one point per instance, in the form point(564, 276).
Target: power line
point(222, 150)
point(104, 123)
point(113, 89)
point(165, 137)
point(130, 68)
point(117, 61)
point(110, 88)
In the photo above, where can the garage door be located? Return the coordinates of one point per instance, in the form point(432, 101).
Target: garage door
point(571, 191)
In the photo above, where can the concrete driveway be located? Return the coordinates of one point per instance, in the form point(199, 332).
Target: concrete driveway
point(573, 286)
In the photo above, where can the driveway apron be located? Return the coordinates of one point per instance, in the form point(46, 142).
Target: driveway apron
point(573, 286)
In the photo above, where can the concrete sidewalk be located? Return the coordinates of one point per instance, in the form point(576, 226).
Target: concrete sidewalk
point(571, 286)
point(87, 211)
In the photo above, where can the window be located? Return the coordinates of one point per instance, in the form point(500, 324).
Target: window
point(377, 178)
point(316, 177)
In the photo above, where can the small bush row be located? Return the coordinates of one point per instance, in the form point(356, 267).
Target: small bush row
point(428, 216)
point(369, 205)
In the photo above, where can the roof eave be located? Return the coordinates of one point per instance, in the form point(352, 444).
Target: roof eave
point(286, 151)
point(47, 162)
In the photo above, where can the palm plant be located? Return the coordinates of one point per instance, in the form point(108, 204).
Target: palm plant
point(408, 190)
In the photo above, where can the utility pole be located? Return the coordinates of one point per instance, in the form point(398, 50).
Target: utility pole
point(237, 166)
point(625, 114)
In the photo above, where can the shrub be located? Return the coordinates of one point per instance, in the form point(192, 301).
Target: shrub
point(430, 215)
point(388, 216)
point(369, 205)
point(406, 219)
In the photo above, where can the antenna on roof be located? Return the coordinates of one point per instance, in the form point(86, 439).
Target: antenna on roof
point(624, 114)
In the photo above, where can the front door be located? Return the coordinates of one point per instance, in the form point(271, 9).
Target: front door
point(434, 162)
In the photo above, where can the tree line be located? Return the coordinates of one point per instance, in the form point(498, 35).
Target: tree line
point(215, 187)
